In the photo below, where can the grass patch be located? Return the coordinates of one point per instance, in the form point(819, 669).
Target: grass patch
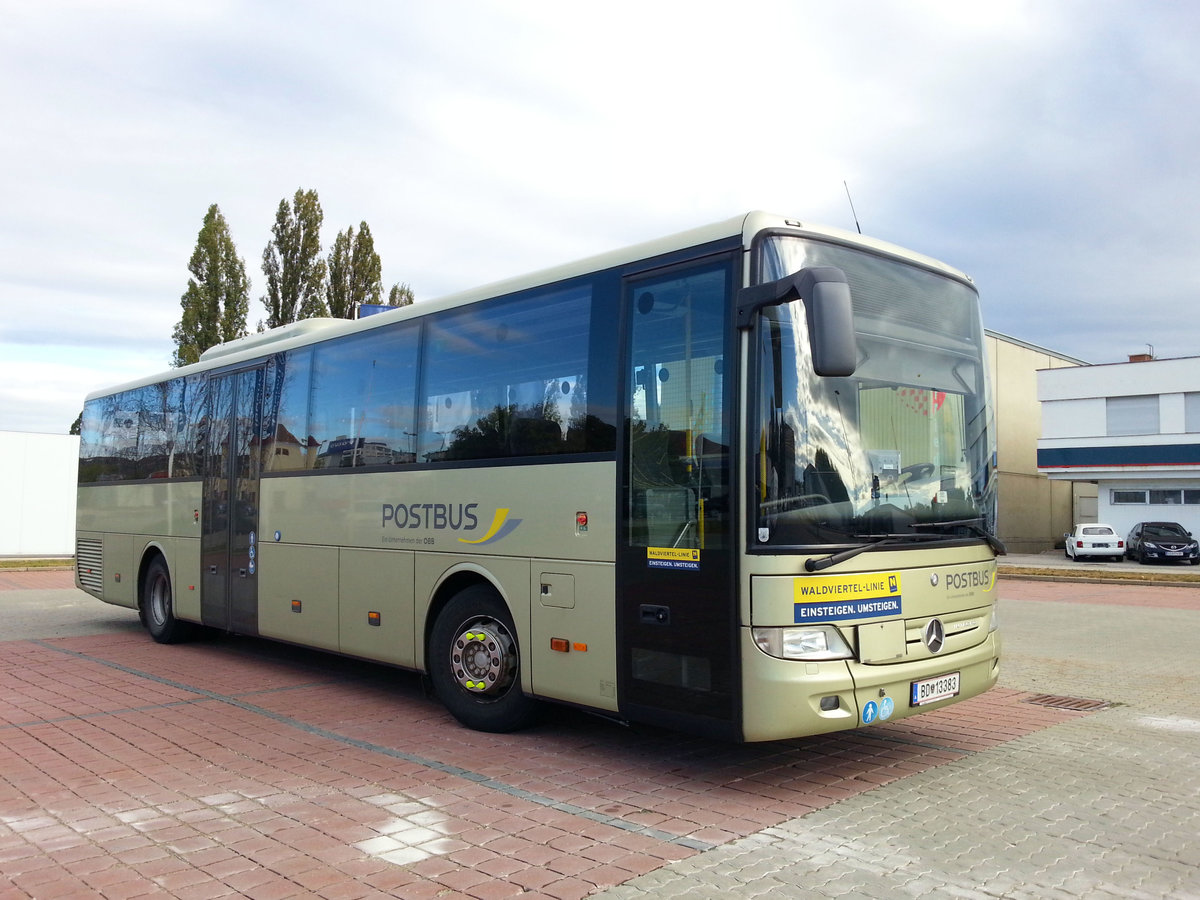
point(63, 562)
point(1158, 575)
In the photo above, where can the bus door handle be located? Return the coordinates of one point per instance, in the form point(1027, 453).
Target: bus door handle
point(651, 614)
point(242, 572)
point(212, 570)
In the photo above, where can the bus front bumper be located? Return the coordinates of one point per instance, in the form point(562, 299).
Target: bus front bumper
point(788, 698)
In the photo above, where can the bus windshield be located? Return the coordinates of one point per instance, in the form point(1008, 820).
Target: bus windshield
point(902, 449)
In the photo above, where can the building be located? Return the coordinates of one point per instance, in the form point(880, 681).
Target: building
point(1132, 429)
point(1033, 511)
point(37, 494)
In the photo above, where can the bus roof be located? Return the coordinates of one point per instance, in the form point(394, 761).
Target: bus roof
point(308, 331)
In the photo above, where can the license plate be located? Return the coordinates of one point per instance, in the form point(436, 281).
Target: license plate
point(933, 689)
point(1105, 546)
point(1174, 553)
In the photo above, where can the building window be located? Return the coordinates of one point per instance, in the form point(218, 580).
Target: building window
point(1191, 412)
point(1133, 415)
point(1126, 497)
point(1155, 497)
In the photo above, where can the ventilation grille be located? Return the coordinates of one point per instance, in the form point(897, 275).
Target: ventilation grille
point(1077, 704)
point(89, 564)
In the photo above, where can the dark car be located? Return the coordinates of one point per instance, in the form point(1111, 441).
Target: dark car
point(1162, 540)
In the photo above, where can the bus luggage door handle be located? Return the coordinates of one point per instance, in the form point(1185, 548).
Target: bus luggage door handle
point(212, 570)
point(655, 615)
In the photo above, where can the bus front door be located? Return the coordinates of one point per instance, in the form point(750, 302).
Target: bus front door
point(229, 529)
point(677, 617)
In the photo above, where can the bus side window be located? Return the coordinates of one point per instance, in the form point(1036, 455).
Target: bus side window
point(288, 447)
point(363, 391)
point(507, 380)
point(679, 453)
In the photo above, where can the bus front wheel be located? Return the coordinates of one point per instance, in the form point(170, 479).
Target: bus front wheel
point(475, 665)
point(158, 606)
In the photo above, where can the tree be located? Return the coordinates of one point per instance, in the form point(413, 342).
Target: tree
point(292, 262)
point(400, 295)
point(340, 266)
point(354, 272)
point(217, 298)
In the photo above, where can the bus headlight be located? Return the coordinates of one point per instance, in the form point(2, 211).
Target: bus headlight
point(811, 642)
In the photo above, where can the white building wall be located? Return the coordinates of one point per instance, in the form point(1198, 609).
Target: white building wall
point(1071, 418)
point(1119, 379)
point(38, 475)
point(1170, 414)
point(1087, 417)
point(1123, 516)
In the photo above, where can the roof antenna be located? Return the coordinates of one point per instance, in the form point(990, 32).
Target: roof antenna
point(852, 212)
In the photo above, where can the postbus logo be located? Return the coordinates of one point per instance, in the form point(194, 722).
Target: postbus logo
point(501, 527)
point(448, 517)
point(969, 579)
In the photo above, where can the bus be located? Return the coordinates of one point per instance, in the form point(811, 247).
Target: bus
point(737, 482)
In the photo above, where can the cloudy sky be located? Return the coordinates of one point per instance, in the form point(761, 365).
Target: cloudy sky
point(1047, 148)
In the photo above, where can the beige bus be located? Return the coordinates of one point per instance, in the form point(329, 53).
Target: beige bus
point(737, 482)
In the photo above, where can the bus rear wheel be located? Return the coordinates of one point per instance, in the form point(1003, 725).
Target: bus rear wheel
point(475, 663)
point(158, 606)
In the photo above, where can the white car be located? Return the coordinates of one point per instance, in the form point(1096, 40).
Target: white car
point(1094, 540)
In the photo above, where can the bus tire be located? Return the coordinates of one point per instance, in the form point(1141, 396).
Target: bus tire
point(158, 606)
point(474, 663)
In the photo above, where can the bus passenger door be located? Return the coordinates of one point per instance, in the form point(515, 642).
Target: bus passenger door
point(677, 614)
point(229, 524)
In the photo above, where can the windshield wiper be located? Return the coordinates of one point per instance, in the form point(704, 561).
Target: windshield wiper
point(974, 526)
point(880, 540)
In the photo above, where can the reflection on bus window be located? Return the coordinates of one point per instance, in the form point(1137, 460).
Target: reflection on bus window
point(508, 380)
point(363, 388)
point(150, 432)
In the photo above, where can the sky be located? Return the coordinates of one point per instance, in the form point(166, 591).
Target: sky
point(1049, 149)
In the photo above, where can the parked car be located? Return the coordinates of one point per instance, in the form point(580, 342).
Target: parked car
point(1162, 540)
point(1094, 541)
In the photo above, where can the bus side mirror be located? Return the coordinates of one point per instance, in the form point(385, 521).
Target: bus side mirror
point(828, 309)
point(831, 326)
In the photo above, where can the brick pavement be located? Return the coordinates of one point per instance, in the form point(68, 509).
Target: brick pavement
point(35, 579)
point(236, 766)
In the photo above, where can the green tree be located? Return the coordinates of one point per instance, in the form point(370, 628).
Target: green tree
point(400, 295)
point(217, 298)
point(292, 262)
point(354, 272)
